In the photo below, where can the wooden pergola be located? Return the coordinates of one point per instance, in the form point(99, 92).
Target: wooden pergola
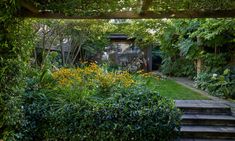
point(28, 9)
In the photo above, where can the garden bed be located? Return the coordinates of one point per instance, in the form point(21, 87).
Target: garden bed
point(90, 103)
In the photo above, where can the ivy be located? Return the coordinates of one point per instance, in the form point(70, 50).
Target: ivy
point(14, 48)
point(94, 7)
point(175, 5)
point(84, 7)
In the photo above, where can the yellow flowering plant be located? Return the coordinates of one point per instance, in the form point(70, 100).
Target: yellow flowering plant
point(92, 77)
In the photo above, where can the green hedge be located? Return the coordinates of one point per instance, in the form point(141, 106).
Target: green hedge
point(134, 114)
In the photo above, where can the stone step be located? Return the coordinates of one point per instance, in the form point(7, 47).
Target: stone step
point(206, 110)
point(204, 107)
point(208, 132)
point(214, 120)
point(205, 140)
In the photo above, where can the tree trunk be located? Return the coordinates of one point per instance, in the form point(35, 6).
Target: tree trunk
point(69, 52)
point(62, 51)
point(199, 66)
point(43, 50)
point(77, 52)
point(35, 57)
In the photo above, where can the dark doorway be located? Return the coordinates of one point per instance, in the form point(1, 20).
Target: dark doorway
point(156, 58)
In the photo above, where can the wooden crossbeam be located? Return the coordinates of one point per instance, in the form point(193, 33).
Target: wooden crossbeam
point(133, 15)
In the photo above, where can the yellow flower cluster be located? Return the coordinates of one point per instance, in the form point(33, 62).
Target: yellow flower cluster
point(92, 75)
point(149, 75)
point(65, 76)
point(125, 78)
point(111, 79)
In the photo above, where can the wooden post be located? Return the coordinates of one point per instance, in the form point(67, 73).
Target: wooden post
point(148, 58)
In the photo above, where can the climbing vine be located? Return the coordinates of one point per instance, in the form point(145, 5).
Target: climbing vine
point(14, 54)
point(94, 7)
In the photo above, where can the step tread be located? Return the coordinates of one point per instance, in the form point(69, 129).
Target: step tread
point(203, 107)
point(206, 140)
point(199, 104)
point(208, 129)
point(208, 117)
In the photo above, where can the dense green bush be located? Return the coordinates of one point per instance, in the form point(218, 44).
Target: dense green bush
point(178, 67)
point(201, 81)
point(126, 114)
point(214, 63)
point(221, 85)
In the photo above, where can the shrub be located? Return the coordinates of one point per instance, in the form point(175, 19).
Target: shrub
point(202, 80)
point(214, 63)
point(217, 85)
point(80, 110)
point(178, 67)
point(133, 114)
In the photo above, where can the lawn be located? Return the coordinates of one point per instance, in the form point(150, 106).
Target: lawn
point(171, 89)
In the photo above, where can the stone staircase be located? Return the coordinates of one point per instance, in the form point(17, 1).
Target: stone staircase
point(206, 120)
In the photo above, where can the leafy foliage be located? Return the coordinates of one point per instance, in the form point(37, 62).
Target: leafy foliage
point(82, 7)
point(179, 51)
point(15, 45)
point(133, 113)
point(93, 8)
point(159, 5)
point(75, 40)
point(209, 40)
point(77, 115)
point(179, 67)
point(217, 85)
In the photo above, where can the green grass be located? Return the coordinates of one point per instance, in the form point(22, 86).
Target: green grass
point(171, 89)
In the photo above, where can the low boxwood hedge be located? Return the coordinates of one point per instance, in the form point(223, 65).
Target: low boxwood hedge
point(136, 114)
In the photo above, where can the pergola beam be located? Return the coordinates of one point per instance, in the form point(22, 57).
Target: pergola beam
point(134, 15)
